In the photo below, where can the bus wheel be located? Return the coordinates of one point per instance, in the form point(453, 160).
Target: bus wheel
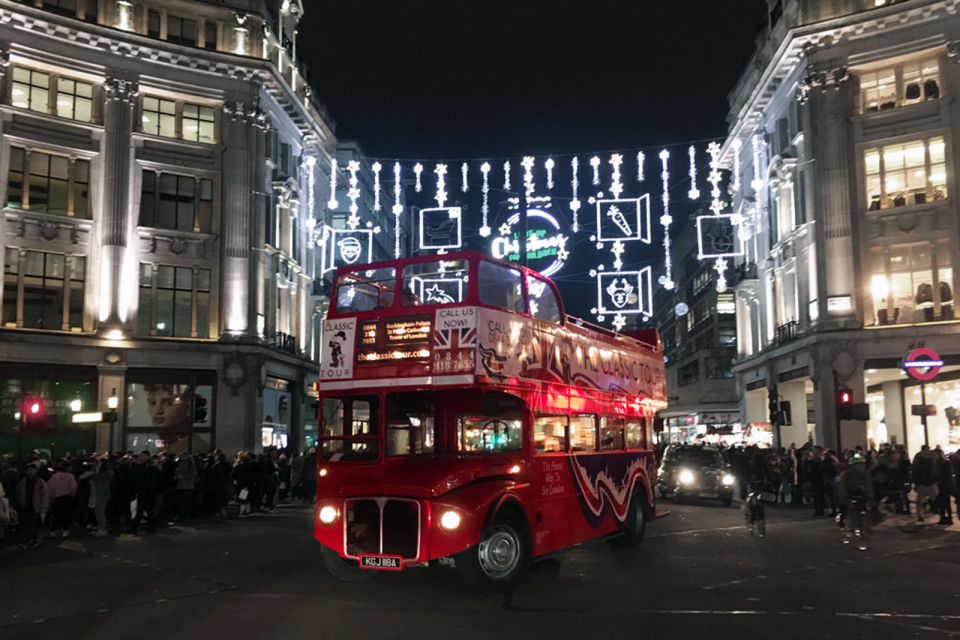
point(499, 559)
point(342, 569)
point(636, 524)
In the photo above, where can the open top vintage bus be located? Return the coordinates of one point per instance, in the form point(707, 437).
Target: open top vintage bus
point(466, 419)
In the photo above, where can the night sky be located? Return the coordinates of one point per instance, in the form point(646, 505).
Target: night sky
point(465, 78)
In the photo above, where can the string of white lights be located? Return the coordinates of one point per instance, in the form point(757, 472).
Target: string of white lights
point(464, 186)
point(548, 164)
point(666, 280)
point(737, 145)
point(353, 193)
point(616, 185)
point(332, 203)
point(397, 190)
point(694, 193)
point(441, 195)
point(575, 187)
point(377, 167)
point(310, 163)
point(716, 206)
point(595, 163)
point(641, 159)
point(528, 184)
point(418, 172)
point(506, 176)
point(485, 207)
point(757, 183)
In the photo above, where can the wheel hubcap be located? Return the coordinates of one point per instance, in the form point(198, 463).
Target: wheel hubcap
point(499, 552)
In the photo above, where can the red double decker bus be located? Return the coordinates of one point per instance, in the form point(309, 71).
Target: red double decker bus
point(467, 420)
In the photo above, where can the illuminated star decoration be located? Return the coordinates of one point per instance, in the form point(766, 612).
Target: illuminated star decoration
point(720, 266)
point(617, 250)
point(504, 229)
point(418, 171)
point(441, 195)
point(376, 166)
point(353, 193)
point(616, 186)
point(549, 165)
point(528, 185)
point(438, 295)
point(563, 254)
point(694, 193)
point(666, 280)
point(716, 206)
point(485, 207)
point(464, 187)
point(619, 321)
point(595, 163)
point(332, 203)
point(575, 186)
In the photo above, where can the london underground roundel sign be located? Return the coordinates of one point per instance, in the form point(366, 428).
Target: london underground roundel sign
point(922, 364)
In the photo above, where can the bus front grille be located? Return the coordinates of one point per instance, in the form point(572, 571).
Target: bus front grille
point(387, 526)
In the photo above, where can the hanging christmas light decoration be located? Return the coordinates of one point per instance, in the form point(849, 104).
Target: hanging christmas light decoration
point(549, 165)
point(376, 166)
point(397, 190)
point(485, 207)
point(527, 163)
point(694, 193)
point(735, 183)
point(418, 172)
point(310, 163)
point(666, 280)
point(441, 195)
point(757, 183)
point(717, 235)
point(332, 203)
point(353, 193)
point(575, 186)
point(464, 187)
point(616, 185)
point(595, 163)
point(506, 176)
point(641, 158)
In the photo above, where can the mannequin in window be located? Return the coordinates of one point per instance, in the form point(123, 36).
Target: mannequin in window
point(946, 302)
point(924, 301)
point(912, 91)
point(931, 90)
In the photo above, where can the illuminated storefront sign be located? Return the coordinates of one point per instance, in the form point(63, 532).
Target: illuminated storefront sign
point(546, 246)
point(922, 364)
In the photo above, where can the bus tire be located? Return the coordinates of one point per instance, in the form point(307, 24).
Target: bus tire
point(501, 557)
point(636, 525)
point(342, 569)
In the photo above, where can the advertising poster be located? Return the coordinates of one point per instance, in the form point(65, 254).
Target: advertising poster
point(336, 357)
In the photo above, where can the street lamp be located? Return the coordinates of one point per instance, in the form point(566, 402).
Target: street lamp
point(112, 403)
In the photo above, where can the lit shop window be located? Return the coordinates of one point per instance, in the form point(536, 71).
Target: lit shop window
point(901, 85)
point(177, 203)
point(174, 301)
point(170, 119)
point(32, 90)
point(43, 290)
point(48, 183)
point(912, 284)
point(905, 174)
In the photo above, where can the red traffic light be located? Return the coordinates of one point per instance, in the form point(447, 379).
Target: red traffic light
point(845, 396)
point(34, 408)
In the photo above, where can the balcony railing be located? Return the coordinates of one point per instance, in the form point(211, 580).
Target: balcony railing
point(284, 342)
point(787, 332)
point(746, 271)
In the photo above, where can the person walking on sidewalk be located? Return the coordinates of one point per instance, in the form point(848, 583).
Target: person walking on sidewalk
point(943, 475)
point(186, 479)
point(147, 477)
point(101, 489)
point(923, 480)
point(62, 488)
point(33, 499)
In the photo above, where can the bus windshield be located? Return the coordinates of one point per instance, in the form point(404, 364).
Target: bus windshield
point(366, 290)
point(411, 421)
point(350, 429)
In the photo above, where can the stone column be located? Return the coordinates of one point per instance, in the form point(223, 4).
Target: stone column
point(117, 228)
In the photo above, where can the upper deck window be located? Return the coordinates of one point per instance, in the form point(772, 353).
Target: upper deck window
point(366, 290)
point(500, 286)
point(439, 282)
point(543, 301)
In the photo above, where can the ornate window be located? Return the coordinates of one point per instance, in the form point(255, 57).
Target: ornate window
point(912, 283)
point(175, 202)
point(174, 301)
point(32, 89)
point(43, 290)
point(903, 174)
point(173, 119)
point(899, 85)
point(47, 183)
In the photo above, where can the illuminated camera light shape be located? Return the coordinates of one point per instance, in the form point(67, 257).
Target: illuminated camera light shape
point(438, 290)
point(441, 228)
point(623, 219)
point(347, 247)
point(546, 245)
point(624, 293)
point(718, 237)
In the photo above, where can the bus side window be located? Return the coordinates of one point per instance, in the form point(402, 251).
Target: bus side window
point(583, 433)
point(500, 286)
point(635, 434)
point(550, 434)
point(611, 433)
point(543, 302)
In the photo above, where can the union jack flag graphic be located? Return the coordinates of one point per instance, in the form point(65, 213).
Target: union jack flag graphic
point(461, 338)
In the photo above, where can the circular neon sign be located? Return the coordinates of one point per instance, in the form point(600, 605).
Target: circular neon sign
point(546, 245)
point(922, 364)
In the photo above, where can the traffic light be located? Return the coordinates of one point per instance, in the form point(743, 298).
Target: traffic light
point(199, 410)
point(34, 413)
point(847, 409)
point(773, 404)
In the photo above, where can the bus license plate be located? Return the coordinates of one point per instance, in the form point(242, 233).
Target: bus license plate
point(381, 563)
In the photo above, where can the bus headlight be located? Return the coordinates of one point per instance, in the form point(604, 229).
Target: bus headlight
point(728, 480)
point(450, 520)
point(328, 514)
point(686, 476)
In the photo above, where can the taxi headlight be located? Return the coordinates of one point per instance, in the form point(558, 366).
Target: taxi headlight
point(686, 476)
point(450, 520)
point(328, 514)
point(728, 480)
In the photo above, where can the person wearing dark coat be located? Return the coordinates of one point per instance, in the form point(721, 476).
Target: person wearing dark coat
point(943, 476)
point(147, 477)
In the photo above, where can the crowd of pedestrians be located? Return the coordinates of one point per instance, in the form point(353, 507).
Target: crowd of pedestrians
point(920, 486)
point(100, 495)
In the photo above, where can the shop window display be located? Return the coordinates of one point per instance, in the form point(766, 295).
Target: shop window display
point(169, 413)
point(912, 284)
